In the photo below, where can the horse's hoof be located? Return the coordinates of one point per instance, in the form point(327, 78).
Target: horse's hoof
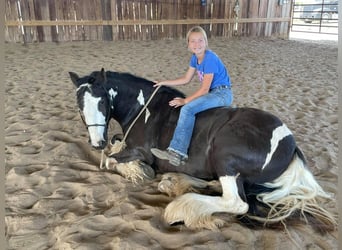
point(166, 186)
point(238, 207)
point(110, 163)
point(116, 137)
point(148, 171)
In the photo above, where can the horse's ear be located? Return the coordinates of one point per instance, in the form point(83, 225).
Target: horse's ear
point(74, 78)
point(103, 75)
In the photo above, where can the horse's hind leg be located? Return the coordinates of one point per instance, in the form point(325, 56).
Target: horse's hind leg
point(231, 194)
point(175, 184)
point(196, 210)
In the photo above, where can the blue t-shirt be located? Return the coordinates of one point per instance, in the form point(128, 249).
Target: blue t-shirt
point(211, 64)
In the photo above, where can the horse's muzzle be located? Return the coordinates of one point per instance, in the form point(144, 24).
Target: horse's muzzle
point(102, 144)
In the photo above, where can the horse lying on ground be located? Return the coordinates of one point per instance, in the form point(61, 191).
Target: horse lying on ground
point(254, 156)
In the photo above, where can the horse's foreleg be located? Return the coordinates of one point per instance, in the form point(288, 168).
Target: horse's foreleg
point(131, 163)
point(134, 171)
point(195, 210)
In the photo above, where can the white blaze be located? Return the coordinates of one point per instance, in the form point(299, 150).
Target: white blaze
point(93, 116)
point(278, 134)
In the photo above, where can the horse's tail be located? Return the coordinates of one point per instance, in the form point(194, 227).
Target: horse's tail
point(296, 190)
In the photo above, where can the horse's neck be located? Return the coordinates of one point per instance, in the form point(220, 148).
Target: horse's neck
point(125, 113)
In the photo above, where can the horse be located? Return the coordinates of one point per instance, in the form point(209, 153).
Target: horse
point(249, 156)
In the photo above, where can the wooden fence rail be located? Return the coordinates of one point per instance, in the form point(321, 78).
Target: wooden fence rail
point(70, 20)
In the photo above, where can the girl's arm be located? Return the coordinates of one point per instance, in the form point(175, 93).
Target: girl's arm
point(186, 78)
point(204, 89)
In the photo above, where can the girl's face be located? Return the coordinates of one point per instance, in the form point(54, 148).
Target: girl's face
point(197, 43)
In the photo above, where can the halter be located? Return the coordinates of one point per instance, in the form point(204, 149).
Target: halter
point(92, 125)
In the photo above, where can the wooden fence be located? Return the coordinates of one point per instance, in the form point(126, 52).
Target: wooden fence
point(81, 20)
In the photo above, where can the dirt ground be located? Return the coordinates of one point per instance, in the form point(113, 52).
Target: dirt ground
point(57, 197)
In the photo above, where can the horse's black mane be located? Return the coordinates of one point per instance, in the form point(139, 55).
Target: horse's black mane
point(124, 77)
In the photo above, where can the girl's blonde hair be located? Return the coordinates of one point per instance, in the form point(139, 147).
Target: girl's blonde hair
point(198, 29)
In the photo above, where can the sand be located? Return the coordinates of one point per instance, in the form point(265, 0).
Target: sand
point(58, 198)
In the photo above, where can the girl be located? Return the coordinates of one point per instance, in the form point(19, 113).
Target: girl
point(215, 91)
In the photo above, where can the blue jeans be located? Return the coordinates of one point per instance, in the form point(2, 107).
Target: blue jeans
point(186, 121)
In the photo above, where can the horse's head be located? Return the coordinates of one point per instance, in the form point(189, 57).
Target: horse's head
point(95, 103)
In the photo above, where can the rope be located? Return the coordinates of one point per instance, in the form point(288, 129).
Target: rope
point(101, 163)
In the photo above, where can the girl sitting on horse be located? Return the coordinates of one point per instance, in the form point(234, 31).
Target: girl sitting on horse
point(214, 91)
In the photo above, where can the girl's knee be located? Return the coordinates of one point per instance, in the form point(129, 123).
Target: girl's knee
point(186, 110)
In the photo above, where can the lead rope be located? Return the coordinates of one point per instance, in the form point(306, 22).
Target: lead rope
point(121, 145)
point(101, 163)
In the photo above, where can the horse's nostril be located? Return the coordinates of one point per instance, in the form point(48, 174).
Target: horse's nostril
point(102, 144)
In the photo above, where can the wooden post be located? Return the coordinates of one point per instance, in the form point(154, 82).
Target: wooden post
point(106, 15)
point(38, 16)
point(53, 17)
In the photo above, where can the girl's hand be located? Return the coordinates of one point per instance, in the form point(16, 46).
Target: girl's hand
point(157, 83)
point(177, 102)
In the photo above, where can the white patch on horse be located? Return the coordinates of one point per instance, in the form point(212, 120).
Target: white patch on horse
point(112, 94)
point(278, 134)
point(147, 115)
point(141, 98)
point(93, 116)
point(141, 101)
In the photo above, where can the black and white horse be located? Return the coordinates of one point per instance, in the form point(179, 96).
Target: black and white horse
point(262, 173)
